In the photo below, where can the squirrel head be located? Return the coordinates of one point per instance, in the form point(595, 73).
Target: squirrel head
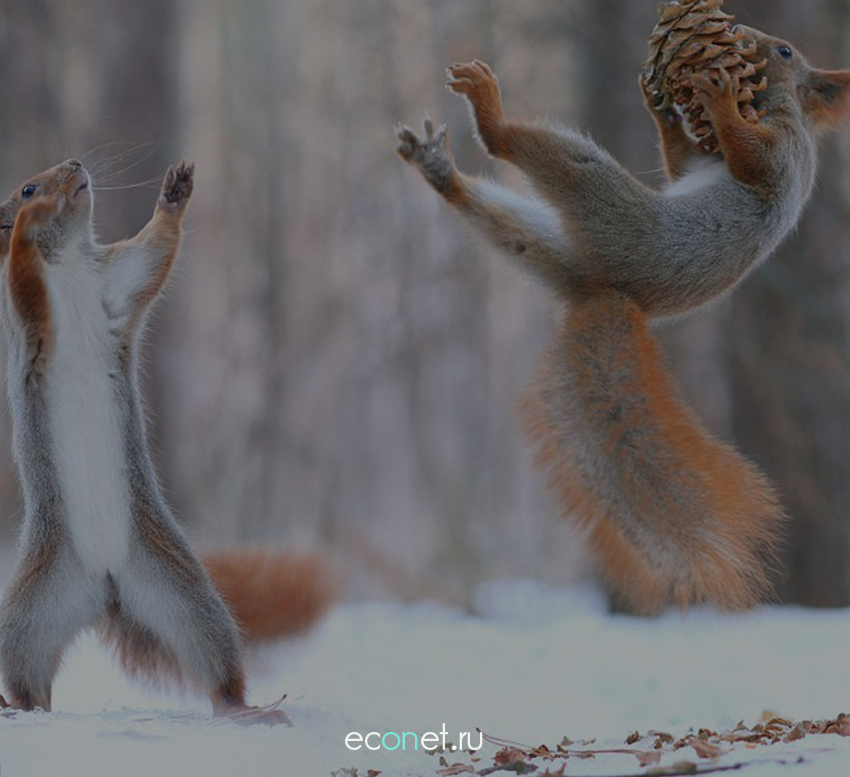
point(794, 85)
point(67, 180)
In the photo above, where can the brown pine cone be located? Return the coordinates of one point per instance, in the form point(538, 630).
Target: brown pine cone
point(697, 37)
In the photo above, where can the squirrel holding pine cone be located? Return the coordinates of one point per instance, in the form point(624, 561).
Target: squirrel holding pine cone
point(672, 513)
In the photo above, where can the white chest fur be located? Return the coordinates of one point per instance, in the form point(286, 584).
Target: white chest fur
point(85, 422)
point(701, 173)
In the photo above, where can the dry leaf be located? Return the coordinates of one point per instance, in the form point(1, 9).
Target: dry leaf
point(509, 755)
point(454, 769)
point(840, 726)
point(706, 749)
point(649, 759)
point(560, 773)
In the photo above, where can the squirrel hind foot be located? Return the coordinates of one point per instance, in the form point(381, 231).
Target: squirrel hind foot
point(25, 702)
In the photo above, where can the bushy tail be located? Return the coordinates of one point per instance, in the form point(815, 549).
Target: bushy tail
point(672, 513)
point(271, 594)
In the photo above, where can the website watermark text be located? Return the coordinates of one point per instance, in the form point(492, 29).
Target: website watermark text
point(410, 740)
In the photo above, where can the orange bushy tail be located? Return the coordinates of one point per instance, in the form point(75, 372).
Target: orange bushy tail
point(271, 594)
point(672, 513)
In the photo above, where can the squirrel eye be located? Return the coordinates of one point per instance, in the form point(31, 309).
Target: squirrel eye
point(785, 52)
point(28, 191)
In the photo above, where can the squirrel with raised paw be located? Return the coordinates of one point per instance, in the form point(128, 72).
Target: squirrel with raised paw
point(672, 513)
point(100, 547)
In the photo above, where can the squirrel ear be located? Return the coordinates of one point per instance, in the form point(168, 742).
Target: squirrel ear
point(826, 97)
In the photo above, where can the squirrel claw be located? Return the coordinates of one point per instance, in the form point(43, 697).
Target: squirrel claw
point(709, 92)
point(471, 78)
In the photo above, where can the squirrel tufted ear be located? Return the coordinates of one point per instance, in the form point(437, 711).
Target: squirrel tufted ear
point(826, 98)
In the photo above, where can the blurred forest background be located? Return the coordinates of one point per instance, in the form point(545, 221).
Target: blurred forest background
point(337, 363)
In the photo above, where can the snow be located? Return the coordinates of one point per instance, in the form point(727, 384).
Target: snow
point(532, 664)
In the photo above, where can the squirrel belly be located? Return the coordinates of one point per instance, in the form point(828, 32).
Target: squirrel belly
point(85, 418)
point(672, 513)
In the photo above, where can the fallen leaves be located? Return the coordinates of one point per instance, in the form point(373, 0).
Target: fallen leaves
point(774, 729)
point(709, 746)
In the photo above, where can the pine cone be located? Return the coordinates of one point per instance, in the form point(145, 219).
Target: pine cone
point(697, 37)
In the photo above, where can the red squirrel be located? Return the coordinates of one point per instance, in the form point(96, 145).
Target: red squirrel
point(672, 513)
point(100, 547)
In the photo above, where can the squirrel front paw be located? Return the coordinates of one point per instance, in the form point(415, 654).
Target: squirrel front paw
point(177, 187)
point(718, 98)
point(431, 156)
point(36, 213)
point(657, 104)
point(477, 82)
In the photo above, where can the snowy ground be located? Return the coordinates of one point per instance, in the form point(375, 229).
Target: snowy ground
point(533, 665)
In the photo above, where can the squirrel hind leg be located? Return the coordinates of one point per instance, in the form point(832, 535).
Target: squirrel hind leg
point(143, 654)
point(138, 649)
point(170, 625)
point(44, 608)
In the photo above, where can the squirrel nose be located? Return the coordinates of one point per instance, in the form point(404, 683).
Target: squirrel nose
point(74, 163)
